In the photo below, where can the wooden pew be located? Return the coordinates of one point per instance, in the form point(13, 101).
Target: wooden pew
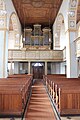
point(14, 93)
point(12, 102)
point(66, 94)
point(69, 101)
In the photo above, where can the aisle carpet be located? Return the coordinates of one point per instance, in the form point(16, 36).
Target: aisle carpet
point(39, 107)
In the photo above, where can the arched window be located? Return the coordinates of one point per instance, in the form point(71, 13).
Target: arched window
point(58, 30)
point(14, 36)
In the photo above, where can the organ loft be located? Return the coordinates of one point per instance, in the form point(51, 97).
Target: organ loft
point(37, 38)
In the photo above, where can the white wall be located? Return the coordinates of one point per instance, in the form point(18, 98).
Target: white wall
point(11, 40)
point(48, 68)
point(58, 68)
point(16, 67)
point(26, 67)
point(2, 53)
point(78, 68)
point(11, 68)
point(4, 40)
point(64, 12)
point(62, 37)
point(55, 68)
point(62, 67)
point(23, 68)
point(78, 30)
point(70, 37)
point(10, 9)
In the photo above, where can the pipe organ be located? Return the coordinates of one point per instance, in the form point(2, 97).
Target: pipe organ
point(37, 38)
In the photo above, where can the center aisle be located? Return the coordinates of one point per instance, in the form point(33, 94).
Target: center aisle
point(39, 107)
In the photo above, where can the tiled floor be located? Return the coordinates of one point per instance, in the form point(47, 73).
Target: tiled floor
point(39, 106)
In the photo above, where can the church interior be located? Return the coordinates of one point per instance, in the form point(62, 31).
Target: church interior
point(40, 59)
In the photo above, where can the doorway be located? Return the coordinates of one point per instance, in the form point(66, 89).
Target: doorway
point(38, 71)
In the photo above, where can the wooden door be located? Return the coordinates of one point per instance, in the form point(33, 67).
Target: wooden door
point(38, 72)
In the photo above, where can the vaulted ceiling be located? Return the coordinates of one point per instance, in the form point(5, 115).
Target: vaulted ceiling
point(37, 11)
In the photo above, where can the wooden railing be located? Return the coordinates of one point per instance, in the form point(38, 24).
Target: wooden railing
point(50, 55)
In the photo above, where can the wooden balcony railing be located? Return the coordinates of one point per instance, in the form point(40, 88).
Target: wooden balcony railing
point(25, 55)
